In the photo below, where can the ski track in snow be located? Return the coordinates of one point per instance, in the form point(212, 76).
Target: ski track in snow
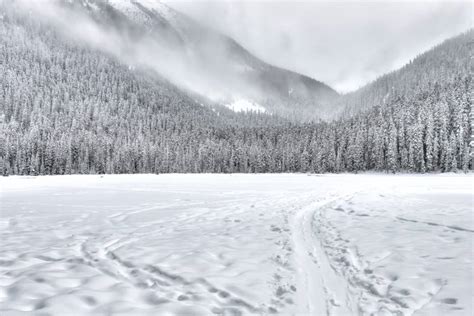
point(236, 245)
point(406, 275)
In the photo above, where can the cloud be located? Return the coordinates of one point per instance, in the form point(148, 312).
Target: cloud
point(194, 71)
point(343, 43)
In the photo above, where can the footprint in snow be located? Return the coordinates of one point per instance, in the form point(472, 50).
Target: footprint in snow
point(449, 300)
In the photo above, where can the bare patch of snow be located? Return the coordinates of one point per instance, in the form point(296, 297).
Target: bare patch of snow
point(242, 105)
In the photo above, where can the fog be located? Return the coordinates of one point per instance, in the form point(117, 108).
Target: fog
point(192, 70)
point(343, 43)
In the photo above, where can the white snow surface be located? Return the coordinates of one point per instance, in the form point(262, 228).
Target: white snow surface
point(242, 105)
point(131, 9)
point(236, 244)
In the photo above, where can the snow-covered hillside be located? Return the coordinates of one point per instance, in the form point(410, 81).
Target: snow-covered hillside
point(150, 12)
point(216, 59)
point(236, 244)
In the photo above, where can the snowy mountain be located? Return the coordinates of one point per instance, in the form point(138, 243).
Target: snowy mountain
point(92, 88)
point(442, 65)
point(215, 66)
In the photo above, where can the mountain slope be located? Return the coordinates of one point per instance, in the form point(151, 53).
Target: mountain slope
point(216, 66)
point(439, 66)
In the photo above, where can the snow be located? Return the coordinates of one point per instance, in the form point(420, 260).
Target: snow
point(93, 5)
point(159, 7)
point(131, 8)
point(122, 5)
point(132, 11)
point(241, 67)
point(242, 105)
point(236, 244)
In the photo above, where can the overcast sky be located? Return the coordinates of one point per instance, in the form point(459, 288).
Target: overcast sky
point(343, 43)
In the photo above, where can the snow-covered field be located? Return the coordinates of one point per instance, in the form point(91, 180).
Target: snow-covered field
point(237, 244)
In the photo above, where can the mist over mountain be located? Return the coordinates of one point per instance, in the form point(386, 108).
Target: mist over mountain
point(345, 44)
point(149, 34)
point(96, 86)
point(442, 65)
